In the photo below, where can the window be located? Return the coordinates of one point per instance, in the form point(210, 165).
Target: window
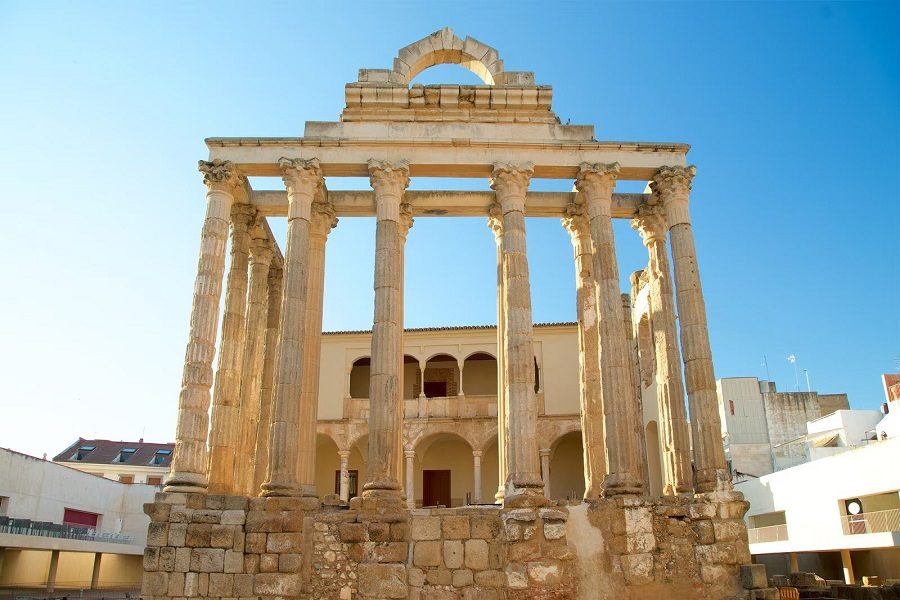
point(124, 455)
point(82, 452)
point(354, 480)
point(731, 407)
point(80, 517)
point(154, 481)
point(126, 478)
point(160, 457)
point(4, 506)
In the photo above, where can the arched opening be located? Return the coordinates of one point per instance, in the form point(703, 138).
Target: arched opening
point(537, 376)
point(490, 472)
point(359, 377)
point(444, 471)
point(410, 376)
point(441, 377)
point(328, 462)
point(444, 73)
point(479, 376)
point(567, 468)
point(654, 460)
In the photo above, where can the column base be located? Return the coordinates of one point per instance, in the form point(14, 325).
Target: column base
point(524, 492)
point(186, 483)
point(713, 480)
point(621, 484)
point(271, 489)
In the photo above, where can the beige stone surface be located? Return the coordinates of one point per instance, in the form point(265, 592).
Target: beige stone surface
point(267, 378)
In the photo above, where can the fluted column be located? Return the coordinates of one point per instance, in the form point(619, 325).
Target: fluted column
point(188, 471)
point(226, 428)
point(476, 473)
point(523, 484)
point(386, 379)
point(267, 385)
point(636, 396)
point(596, 183)
point(261, 253)
point(323, 221)
point(303, 179)
point(651, 224)
point(593, 441)
point(495, 222)
point(345, 475)
point(410, 478)
point(671, 187)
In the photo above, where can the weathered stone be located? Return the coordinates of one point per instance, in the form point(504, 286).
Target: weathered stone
point(177, 534)
point(427, 553)
point(453, 554)
point(638, 568)
point(382, 581)
point(439, 576)
point(352, 532)
point(386, 552)
point(234, 561)
point(753, 577)
point(243, 585)
point(554, 531)
point(277, 584)
point(155, 584)
point(484, 527)
point(207, 560)
point(182, 560)
point(476, 555)
point(255, 543)
point(290, 563)
point(222, 536)
point(158, 534)
point(268, 563)
point(198, 535)
point(491, 578)
point(284, 542)
point(544, 573)
point(455, 527)
point(233, 517)
point(167, 559)
point(425, 528)
point(462, 577)
point(221, 585)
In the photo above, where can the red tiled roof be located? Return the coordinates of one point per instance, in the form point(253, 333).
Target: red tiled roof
point(446, 328)
point(107, 451)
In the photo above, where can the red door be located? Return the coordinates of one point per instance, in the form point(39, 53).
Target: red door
point(436, 487)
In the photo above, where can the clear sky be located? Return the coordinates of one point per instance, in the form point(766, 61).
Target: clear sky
point(792, 111)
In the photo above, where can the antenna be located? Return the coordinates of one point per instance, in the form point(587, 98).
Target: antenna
point(808, 388)
point(793, 360)
point(766, 365)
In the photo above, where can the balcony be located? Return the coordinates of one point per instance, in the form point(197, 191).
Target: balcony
point(449, 407)
point(762, 535)
point(872, 522)
point(65, 531)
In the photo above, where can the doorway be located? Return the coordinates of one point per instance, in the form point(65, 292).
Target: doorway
point(436, 487)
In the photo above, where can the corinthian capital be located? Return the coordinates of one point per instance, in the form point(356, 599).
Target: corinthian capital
point(262, 250)
point(511, 178)
point(650, 222)
point(597, 180)
point(575, 221)
point(301, 175)
point(242, 217)
point(322, 217)
point(406, 217)
point(218, 172)
point(495, 221)
point(673, 181)
point(389, 177)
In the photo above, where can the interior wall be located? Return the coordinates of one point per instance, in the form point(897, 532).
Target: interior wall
point(359, 381)
point(567, 468)
point(480, 378)
point(25, 568)
point(327, 462)
point(884, 562)
point(447, 453)
point(490, 474)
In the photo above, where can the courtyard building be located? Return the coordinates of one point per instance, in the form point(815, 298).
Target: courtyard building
point(125, 462)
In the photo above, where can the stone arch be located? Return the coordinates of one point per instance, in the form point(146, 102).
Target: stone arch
point(445, 47)
point(442, 375)
point(567, 466)
point(443, 469)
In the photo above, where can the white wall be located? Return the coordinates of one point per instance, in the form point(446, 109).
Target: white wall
point(41, 491)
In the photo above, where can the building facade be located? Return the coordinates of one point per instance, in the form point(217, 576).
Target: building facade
point(125, 462)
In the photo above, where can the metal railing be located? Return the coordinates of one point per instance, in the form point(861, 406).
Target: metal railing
point(872, 522)
point(772, 533)
point(69, 532)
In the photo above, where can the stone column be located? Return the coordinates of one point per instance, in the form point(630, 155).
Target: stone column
point(386, 378)
point(303, 179)
point(51, 572)
point(523, 484)
point(95, 571)
point(323, 221)
point(596, 183)
point(636, 396)
point(476, 468)
point(188, 472)
point(225, 436)
point(847, 564)
point(673, 427)
point(345, 475)
point(671, 187)
point(261, 253)
point(495, 222)
point(267, 388)
point(545, 470)
point(593, 441)
point(460, 364)
point(410, 478)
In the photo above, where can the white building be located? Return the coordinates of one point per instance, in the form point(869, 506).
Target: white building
point(125, 462)
point(838, 514)
point(63, 528)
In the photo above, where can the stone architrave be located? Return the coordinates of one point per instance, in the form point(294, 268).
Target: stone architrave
point(523, 483)
point(188, 471)
point(596, 183)
point(323, 221)
point(225, 436)
point(303, 179)
point(389, 181)
point(261, 253)
point(677, 476)
point(267, 385)
point(495, 222)
point(593, 439)
point(671, 186)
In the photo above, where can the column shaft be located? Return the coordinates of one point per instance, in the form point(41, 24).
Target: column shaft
point(523, 484)
point(634, 370)
point(410, 478)
point(386, 377)
point(476, 472)
point(345, 476)
point(673, 426)
point(671, 186)
point(261, 253)
point(95, 571)
point(495, 222)
point(591, 399)
point(596, 183)
point(267, 385)
point(303, 179)
point(545, 470)
point(188, 472)
point(323, 220)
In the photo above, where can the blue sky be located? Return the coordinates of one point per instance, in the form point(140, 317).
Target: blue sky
point(792, 111)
